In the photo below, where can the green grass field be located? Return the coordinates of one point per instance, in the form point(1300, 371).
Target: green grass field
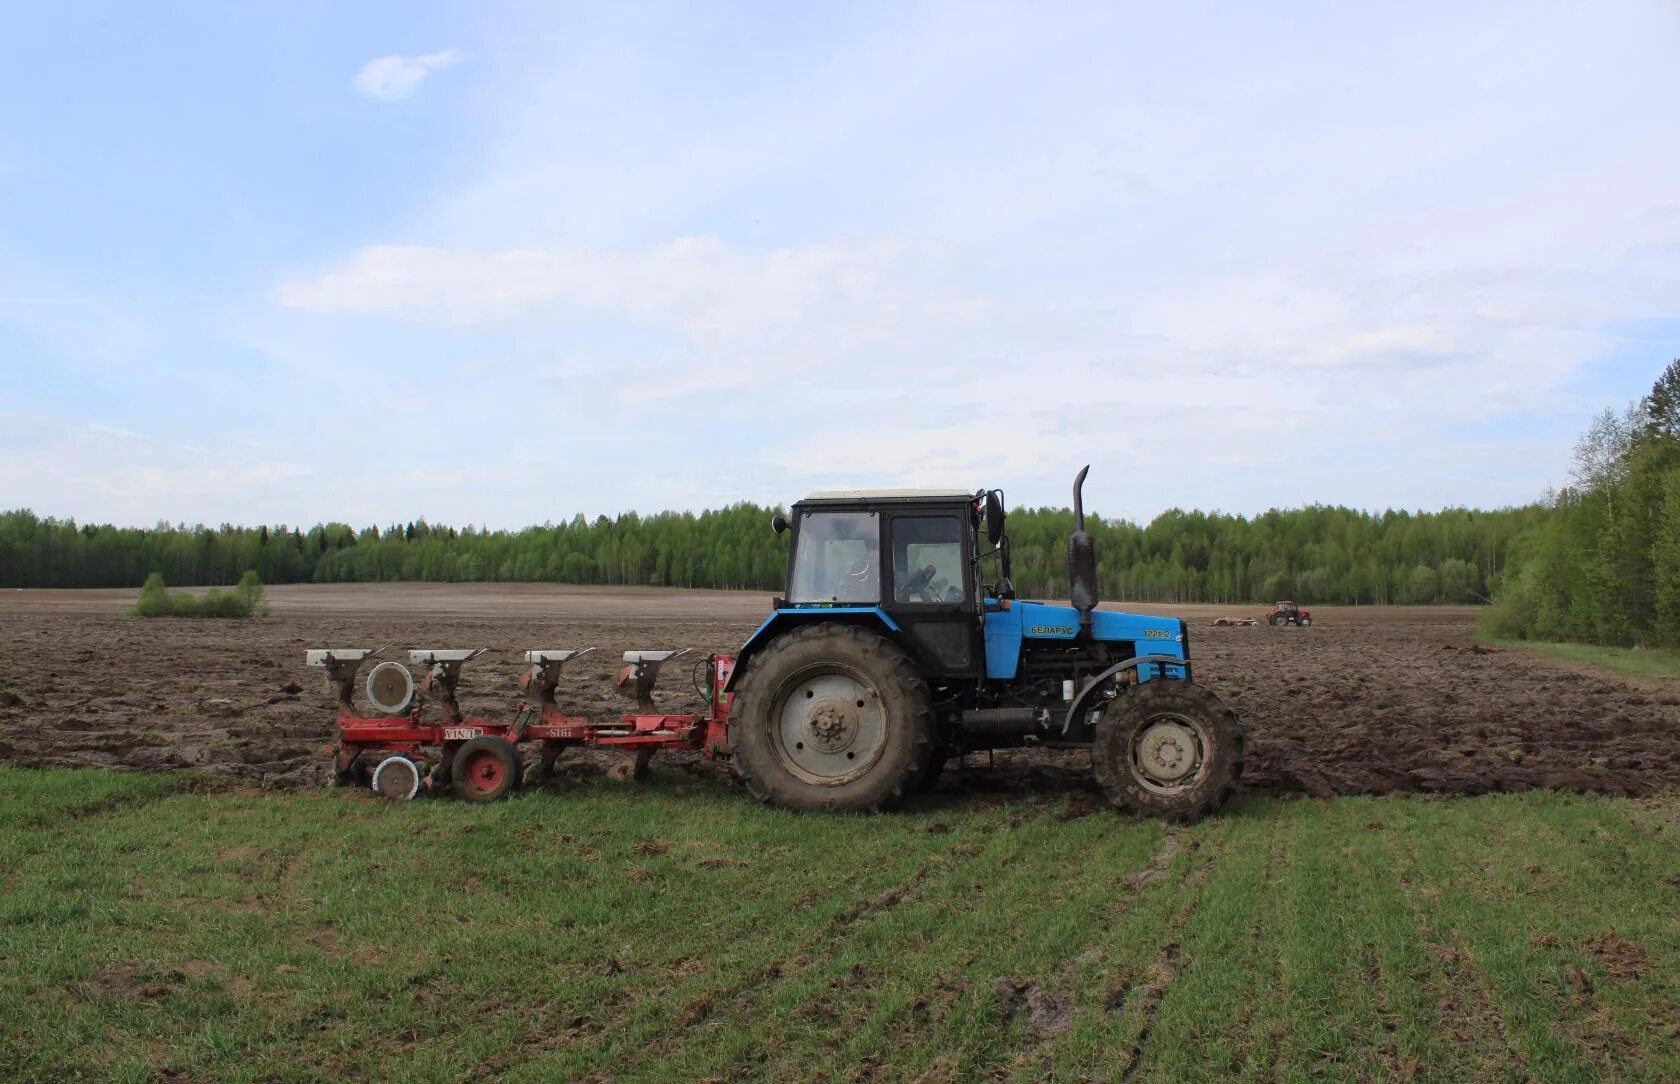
point(1634, 662)
point(674, 931)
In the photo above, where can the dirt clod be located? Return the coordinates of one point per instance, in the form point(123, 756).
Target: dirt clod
point(1048, 1011)
point(1620, 958)
point(1076, 809)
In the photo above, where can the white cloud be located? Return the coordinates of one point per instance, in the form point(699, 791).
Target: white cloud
point(700, 286)
point(392, 78)
point(1214, 374)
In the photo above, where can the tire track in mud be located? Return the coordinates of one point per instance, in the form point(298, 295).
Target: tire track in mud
point(1093, 953)
point(1048, 1005)
point(1388, 1055)
point(1579, 1015)
point(1156, 977)
point(1147, 988)
point(1257, 927)
point(1280, 994)
point(733, 998)
point(109, 805)
point(1465, 1006)
point(1052, 1008)
point(1150, 990)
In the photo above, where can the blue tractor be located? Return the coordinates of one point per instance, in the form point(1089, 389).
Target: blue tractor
point(891, 653)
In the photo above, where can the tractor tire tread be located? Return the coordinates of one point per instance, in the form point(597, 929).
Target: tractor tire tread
point(1230, 750)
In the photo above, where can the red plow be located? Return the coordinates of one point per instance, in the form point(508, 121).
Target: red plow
point(478, 757)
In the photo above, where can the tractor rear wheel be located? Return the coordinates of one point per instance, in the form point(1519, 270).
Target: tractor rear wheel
point(831, 717)
point(1168, 749)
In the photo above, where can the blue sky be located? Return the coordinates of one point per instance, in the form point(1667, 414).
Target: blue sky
point(503, 263)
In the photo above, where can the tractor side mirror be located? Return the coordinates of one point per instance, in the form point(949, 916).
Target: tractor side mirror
point(994, 516)
point(779, 523)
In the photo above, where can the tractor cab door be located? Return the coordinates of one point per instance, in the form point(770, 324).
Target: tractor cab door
point(930, 588)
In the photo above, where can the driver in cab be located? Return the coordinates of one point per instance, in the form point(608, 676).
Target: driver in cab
point(861, 581)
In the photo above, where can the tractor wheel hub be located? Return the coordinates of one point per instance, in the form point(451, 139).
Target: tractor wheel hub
point(1167, 751)
point(833, 725)
point(830, 728)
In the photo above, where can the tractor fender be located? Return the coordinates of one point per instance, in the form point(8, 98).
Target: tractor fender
point(1082, 701)
point(781, 621)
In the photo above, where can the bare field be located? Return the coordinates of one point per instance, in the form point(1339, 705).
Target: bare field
point(1369, 700)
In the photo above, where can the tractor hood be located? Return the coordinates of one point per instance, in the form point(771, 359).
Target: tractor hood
point(1007, 628)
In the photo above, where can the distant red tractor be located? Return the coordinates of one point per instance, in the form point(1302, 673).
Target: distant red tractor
point(1287, 613)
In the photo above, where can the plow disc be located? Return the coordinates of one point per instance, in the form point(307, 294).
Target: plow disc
point(390, 687)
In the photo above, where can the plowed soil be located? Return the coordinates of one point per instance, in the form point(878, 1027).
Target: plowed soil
point(1368, 700)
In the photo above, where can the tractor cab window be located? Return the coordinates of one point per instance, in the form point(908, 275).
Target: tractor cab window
point(927, 556)
point(838, 559)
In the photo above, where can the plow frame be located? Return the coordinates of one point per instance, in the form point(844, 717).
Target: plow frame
point(643, 732)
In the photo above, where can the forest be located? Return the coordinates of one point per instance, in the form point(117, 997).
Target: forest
point(1316, 554)
point(1597, 561)
point(1602, 565)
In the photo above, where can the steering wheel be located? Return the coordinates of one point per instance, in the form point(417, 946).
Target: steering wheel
point(920, 583)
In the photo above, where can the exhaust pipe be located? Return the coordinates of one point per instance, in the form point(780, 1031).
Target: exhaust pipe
point(1082, 558)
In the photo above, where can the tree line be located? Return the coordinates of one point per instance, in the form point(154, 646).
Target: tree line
point(1603, 563)
point(1316, 554)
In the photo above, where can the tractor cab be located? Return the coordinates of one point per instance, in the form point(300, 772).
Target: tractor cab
point(906, 555)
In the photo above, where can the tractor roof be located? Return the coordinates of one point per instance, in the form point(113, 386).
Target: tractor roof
point(890, 495)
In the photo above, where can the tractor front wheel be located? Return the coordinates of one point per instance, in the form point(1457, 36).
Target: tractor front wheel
point(831, 717)
point(1168, 749)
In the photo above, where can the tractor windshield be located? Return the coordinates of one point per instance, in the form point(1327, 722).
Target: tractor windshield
point(838, 559)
